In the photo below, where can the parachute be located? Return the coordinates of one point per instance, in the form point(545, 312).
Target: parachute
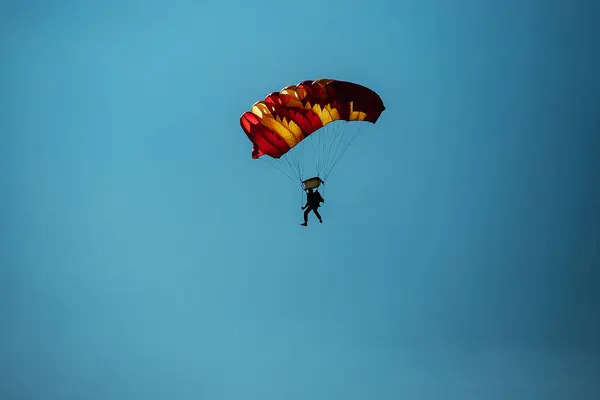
point(315, 115)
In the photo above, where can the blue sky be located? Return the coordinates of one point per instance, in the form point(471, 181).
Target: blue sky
point(146, 255)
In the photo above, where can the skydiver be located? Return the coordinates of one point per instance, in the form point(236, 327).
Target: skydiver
point(313, 200)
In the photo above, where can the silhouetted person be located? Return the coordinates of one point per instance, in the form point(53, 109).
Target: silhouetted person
point(313, 202)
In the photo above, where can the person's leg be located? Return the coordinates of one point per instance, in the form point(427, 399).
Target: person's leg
point(318, 215)
point(306, 211)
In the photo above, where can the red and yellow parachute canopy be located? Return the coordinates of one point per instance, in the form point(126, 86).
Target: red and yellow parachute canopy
point(283, 119)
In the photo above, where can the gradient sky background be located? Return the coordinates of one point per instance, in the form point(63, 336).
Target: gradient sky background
point(145, 255)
